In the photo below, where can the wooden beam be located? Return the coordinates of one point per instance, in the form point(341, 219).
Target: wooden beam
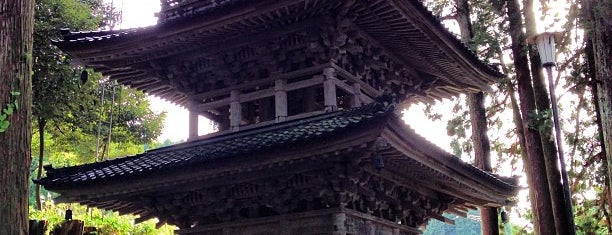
point(369, 90)
point(260, 94)
point(144, 217)
point(366, 99)
point(457, 212)
point(305, 83)
point(443, 219)
point(257, 95)
point(344, 86)
point(214, 104)
point(294, 74)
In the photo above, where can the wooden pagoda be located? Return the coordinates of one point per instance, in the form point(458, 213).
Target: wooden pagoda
point(305, 95)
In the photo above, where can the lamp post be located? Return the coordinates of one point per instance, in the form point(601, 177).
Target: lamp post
point(546, 48)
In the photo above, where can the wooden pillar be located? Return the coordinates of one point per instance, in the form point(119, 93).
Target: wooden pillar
point(339, 220)
point(193, 124)
point(235, 110)
point(285, 227)
point(329, 90)
point(280, 99)
point(356, 97)
point(370, 229)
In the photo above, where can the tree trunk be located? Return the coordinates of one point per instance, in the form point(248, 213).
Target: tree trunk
point(478, 118)
point(518, 122)
point(539, 180)
point(482, 153)
point(593, 84)
point(41, 151)
point(16, 25)
point(597, 14)
point(563, 222)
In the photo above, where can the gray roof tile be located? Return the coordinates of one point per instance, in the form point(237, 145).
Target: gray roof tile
point(227, 145)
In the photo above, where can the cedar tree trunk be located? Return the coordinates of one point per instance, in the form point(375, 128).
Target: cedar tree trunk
point(597, 14)
point(539, 181)
point(518, 122)
point(478, 118)
point(562, 220)
point(16, 25)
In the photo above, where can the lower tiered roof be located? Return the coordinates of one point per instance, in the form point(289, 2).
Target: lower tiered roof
point(337, 153)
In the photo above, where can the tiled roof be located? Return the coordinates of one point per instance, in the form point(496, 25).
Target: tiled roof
point(242, 142)
point(458, 43)
point(232, 144)
point(87, 36)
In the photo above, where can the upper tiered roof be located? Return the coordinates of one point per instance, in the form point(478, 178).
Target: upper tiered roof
point(195, 35)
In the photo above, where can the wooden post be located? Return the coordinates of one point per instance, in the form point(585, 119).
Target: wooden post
point(193, 124)
point(339, 220)
point(280, 99)
point(235, 110)
point(329, 90)
point(370, 229)
point(285, 227)
point(356, 98)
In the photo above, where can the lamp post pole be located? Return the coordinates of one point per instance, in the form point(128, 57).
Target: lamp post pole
point(546, 47)
point(566, 191)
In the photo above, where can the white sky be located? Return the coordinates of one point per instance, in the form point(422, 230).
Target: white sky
point(140, 13)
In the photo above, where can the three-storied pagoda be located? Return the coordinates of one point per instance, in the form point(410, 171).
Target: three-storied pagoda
point(305, 94)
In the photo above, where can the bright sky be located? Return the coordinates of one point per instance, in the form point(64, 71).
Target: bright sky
point(140, 13)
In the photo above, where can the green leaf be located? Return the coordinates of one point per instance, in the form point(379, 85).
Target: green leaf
point(15, 93)
point(4, 125)
point(2, 117)
point(9, 109)
point(16, 104)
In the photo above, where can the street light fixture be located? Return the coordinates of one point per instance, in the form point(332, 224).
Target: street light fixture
point(546, 47)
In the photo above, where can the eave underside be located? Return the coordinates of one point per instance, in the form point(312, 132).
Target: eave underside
point(148, 59)
point(333, 172)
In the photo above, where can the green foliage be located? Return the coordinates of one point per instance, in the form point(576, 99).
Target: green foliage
point(590, 218)
point(69, 106)
point(75, 148)
point(541, 121)
point(55, 82)
point(586, 163)
point(5, 113)
point(469, 225)
point(105, 222)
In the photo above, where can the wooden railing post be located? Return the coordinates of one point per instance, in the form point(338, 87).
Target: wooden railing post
point(193, 124)
point(235, 110)
point(280, 99)
point(329, 89)
point(356, 98)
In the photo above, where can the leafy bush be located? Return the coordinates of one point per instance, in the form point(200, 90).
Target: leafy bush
point(105, 222)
